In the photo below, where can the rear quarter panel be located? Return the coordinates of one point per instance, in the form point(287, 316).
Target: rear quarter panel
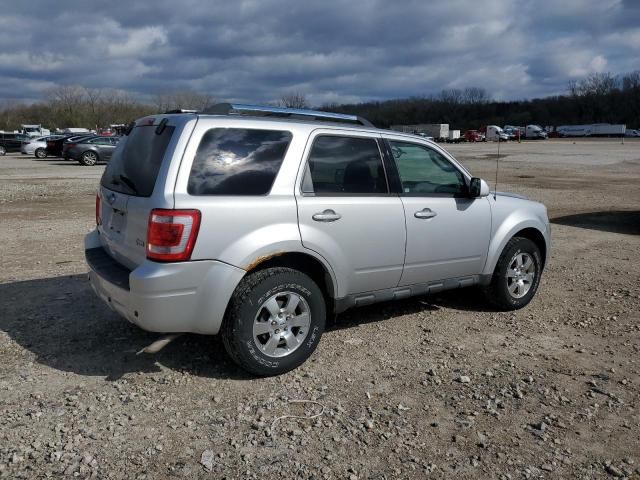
point(243, 230)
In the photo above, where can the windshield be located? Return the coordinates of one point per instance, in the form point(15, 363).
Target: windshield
point(136, 161)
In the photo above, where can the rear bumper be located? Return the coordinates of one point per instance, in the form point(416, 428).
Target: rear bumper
point(164, 297)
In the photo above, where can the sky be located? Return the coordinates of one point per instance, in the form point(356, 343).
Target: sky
point(329, 50)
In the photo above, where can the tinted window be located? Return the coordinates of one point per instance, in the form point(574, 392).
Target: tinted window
point(423, 170)
point(345, 165)
point(134, 166)
point(237, 161)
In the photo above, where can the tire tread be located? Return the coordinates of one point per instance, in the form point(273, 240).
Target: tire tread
point(238, 299)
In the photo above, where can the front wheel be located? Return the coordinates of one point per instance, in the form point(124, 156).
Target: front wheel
point(41, 153)
point(274, 321)
point(3, 151)
point(516, 276)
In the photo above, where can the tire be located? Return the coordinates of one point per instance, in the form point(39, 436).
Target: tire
point(40, 153)
point(3, 151)
point(514, 283)
point(88, 158)
point(249, 313)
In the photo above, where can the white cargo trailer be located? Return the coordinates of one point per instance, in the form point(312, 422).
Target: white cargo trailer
point(608, 130)
point(454, 136)
point(592, 130)
point(439, 131)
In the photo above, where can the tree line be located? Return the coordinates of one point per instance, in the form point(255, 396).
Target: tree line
point(598, 98)
point(77, 106)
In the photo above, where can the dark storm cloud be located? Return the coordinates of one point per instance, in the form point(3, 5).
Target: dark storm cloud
point(335, 50)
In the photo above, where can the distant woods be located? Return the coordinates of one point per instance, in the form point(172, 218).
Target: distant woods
point(598, 98)
point(77, 106)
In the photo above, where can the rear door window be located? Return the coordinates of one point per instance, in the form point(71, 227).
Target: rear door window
point(134, 168)
point(344, 166)
point(237, 161)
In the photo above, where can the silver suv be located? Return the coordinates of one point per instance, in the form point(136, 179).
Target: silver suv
point(258, 223)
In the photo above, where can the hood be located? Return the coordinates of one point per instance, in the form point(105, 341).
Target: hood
point(509, 194)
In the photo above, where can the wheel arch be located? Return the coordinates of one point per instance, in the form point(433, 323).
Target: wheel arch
point(315, 268)
point(531, 229)
point(536, 237)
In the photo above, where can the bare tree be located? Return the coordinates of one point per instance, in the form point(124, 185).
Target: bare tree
point(476, 95)
point(452, 96)
point(631, 80)
point(294, 100)
point(596, 84)
point(182, 99)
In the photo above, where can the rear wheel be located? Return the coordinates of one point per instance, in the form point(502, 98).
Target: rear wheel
point(88, 158)
point(41, 153)
point(516, 276)
point(274, 321)
point(3, 151)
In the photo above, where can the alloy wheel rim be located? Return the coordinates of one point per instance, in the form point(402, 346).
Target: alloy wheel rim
point(521, 274)
point(281, 324)
point(90, 157)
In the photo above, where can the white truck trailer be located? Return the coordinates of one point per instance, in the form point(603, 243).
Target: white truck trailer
point(438, 131)
point(592, 130)
point(454, 136)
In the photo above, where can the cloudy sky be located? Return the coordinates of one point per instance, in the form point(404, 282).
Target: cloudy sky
point(330, 50)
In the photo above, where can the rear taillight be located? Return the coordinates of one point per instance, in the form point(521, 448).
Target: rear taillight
point(171, 234)
point(98, 219)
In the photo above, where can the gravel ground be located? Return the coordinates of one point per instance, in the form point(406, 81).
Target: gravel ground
point(432, 387)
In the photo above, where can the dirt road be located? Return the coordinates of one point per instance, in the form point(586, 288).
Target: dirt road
point(433, 387)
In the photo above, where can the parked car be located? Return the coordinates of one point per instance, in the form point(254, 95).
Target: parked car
point(91, 150)
point(54, 146)
point(71, 142)
point(259, 227)
point(473, 136)
point(11, 142)
point(512, 133)
point(36, 146)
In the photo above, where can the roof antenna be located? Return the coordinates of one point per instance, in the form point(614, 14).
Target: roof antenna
point(495, 191)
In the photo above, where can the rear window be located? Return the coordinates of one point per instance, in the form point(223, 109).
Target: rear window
point(134, 168)
point(237, 161)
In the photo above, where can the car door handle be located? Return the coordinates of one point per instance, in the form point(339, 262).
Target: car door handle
point(327, 216)
point(425, 213)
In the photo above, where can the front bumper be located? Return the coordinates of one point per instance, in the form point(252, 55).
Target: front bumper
point(163, 297)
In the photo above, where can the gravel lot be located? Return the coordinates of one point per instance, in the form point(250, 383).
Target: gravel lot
point(433, 387)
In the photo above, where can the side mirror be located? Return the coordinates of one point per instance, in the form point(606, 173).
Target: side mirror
point(478, 188)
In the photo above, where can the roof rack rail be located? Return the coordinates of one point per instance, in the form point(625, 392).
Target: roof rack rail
point(240, 108)
point(180, 110)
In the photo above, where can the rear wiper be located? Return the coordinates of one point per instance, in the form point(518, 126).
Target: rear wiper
point(129, 183)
